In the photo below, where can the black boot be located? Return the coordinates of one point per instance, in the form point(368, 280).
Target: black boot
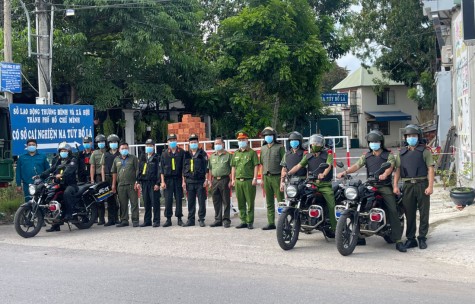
point(54, 228)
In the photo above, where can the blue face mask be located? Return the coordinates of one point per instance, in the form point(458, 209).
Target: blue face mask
point(114, 146)
point(218, 147)
point(242, 144)
point(148, 149)
point(172, 144)
point(412, 141)
point(269, 139)
point(124, 152)
point(87, 146)
point(63, 154)
point(101, 145)
point(193, 146)
point(31, 148)
point(375, 146)
point(294, 144)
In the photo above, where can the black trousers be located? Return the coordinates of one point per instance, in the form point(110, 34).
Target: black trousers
point(174, 188)
point(221, 198)
point(151, 199)
point(193, 190)
point(69, 199)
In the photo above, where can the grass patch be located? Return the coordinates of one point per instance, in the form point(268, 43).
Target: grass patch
point(10, 200)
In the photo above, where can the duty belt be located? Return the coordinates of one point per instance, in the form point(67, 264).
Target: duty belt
point(415, 180)
point(221, 177)
point(270, 174)
point(243, 179)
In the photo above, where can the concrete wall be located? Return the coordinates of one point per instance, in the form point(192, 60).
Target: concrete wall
point(444, 104)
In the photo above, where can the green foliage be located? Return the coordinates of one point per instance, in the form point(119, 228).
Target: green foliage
point(400, 42)
point(108, 126)
point(332, 77)
point(10, 200)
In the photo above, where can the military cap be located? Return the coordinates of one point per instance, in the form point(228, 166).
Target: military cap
point(171, 136)
point(86, 139)
point(193, 137)
point(149, 142)
point(242, 135)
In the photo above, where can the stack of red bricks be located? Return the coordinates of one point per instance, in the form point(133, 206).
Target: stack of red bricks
point(188, 125)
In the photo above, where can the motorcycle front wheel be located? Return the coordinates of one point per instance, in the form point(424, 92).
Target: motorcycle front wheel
point(86, 220)
point(27, 223)
point(346, 235)
point(288, 228)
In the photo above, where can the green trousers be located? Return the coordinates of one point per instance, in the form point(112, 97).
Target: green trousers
point(415, 198)
point(325, 188)
point(272, 188)
point(246, 197)
point(391, 211)
point(126, 193)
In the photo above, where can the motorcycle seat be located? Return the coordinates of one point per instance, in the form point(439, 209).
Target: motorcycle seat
point(82, 189)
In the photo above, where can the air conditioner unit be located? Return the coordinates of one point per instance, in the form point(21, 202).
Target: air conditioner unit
point(446, 55)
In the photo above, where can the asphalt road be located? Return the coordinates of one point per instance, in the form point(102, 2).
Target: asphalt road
point(215, 265)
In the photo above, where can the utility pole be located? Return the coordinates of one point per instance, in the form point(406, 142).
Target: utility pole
point(7, 37)
point(43, 52)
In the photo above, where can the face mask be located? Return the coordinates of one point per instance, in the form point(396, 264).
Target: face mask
point(87, 146)
point(101, 145)
point(316, 149)
point(148, 149)
point(218, 147)
point(63, 154)
point(242, 144)
point(124, 152)
point(375, 146)
point(113, 146)
point(193, 146)
point(412, 141)
point(172, 144)
point(31, 148)
point(269, 139)
point(294, 144)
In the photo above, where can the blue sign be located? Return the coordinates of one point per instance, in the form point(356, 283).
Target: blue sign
point(335, 98)
point(49, 125)
point(10, 77)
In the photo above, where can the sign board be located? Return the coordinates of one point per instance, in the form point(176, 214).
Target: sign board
point(10, 77)
point(49, 125)
point(335, 98)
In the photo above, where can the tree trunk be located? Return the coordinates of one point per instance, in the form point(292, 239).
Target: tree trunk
point(275, 119)
point(74, 94)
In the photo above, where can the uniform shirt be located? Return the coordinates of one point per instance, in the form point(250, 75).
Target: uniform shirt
point(195, 166)
point(171, 163)
point(67, 167)
point(96, 160)
point(426, 155)
point(28, 166)
point(220, 165)
point(149, 169)
point(84, 165)
point(304, 161)
point(362, 160)
point(107, 160)
point(126, 169)
point(244, 162)
point(271, 156)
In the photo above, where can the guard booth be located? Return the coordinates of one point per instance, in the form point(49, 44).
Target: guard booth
point(6, 160)
point(328, 125)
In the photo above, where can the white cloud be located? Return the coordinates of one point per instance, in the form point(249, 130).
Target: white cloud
point(349, 62)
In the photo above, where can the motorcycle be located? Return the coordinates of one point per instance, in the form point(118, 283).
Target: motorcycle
point(46, 201)
point(362, 213)
point(304, 210)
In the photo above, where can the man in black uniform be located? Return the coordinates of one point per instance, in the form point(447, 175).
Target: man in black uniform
point(84, 164)
point(108, 160)
point(149, 179)
point(292, 158)
point(171, 163)
point(64, 169)
point(194, 170)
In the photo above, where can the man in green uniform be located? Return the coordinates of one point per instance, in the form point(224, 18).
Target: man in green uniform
point(373, 159)
point(107, 161)
point(271, 156)
point(244, 176)
point(415, 167)
point(95, 172)
point(318, 155)
point(219, 166)
point(124, 172)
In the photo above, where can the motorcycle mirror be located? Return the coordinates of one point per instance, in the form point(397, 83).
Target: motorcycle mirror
point(339, 164)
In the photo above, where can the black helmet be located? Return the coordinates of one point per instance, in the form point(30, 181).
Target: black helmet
point(375, 135)
point(86, 139)
point(296, 136)
point(316, 139)
point(113, 138)
point(413, 129)
point(268, 131)
point(150, 142)
point(100, 137)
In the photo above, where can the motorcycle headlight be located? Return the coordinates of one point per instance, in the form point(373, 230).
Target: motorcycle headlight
point(32, 189)
point(291, 191)
point(351, 193)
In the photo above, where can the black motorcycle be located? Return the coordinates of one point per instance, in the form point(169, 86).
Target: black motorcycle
point(304, 210)
point(363, 212)
point(45, 206)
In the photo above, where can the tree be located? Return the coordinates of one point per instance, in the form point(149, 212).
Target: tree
point(396, 37)
point(333, 77)
point(271, 61)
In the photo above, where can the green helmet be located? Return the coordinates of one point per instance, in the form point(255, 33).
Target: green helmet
point(316, 139)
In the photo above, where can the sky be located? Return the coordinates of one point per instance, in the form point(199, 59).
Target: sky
point(349, 61)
